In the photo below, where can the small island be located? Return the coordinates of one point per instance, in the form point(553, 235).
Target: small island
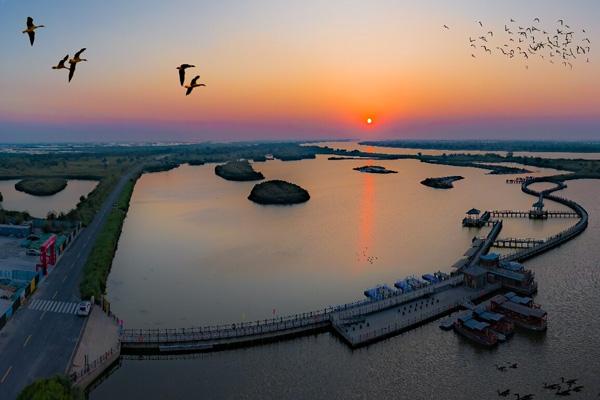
point(444, 182)
point(278, 192)
point(375, 169)
point(238, 171)
point(41, 186)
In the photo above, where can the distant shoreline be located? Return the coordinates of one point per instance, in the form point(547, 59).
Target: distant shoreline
point(492, 145)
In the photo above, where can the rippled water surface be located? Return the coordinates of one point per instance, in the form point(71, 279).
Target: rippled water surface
point(195, 251)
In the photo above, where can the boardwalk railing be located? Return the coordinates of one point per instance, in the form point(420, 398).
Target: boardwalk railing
point(89, 371)
point(276, 325)
point(559, 238)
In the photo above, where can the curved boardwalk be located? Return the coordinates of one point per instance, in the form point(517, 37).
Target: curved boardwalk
point(561, 237)
point(346, 317)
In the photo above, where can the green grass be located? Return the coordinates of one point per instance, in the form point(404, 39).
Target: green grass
point(41, 186)
point(88, 206)
point(55, 388)
point(97, 267)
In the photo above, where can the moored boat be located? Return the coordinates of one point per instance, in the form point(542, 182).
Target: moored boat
point(498, 322)
point(477, 331)
point(531, 318)
point(380, 292)
point(403, 285)
point(430, 278)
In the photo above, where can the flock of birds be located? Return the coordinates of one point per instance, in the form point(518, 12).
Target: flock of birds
point(30, 31)
point(570, 385)
point(525, 42)
point(363, 256)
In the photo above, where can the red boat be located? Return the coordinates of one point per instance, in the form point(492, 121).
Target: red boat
point(498, 322)
point(477, 331)
point(531, 318)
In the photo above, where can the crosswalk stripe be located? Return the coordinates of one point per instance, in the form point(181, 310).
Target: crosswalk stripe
point(64, 307)
point(46, 305)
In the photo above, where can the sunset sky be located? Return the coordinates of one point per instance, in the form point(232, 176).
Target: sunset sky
point(290, 70)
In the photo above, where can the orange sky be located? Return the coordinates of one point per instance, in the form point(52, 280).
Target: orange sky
point(306, 68)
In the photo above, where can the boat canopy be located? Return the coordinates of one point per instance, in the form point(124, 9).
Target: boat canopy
point(473, 211)
point(518, 299)
point(525, 311)
point(403, 285)
point(430, 278)
point(490, 257)
point(379, 292)
point(499, 299)
point(489, 316)
point(465, 316)
point(476, 325)
point(513, 266)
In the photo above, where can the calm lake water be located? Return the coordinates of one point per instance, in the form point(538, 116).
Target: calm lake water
point(39, 206)
point(195, 251)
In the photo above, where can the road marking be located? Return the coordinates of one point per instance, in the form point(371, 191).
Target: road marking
point(54, 306)
point(54, 296)
point(27, 340)
point(6, 374)
point(42, 316)
point(65, 278)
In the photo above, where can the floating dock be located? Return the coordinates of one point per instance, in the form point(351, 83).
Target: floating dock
point(442, 299)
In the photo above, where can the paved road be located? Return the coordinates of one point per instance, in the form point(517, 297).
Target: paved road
point(36, 343)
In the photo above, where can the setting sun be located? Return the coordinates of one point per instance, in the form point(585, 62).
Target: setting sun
point(369, 121)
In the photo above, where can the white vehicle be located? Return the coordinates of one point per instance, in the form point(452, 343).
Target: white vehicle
point(83, 308)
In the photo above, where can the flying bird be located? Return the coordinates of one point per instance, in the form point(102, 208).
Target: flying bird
point(536, 20)
point(446, 26)
point(31, 27)
point(74, 61)
point(480, 24)
point(561, 22)
point(61, 63)
point(193, 85)
point(182, 69)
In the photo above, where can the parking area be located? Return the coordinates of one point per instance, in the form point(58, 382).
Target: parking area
point(16, 270)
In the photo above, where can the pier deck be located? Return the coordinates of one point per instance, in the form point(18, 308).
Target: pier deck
point(391, 321)
point(364, 321)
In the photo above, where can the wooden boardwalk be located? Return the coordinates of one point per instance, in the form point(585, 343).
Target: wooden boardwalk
point(559, 238)
point(357, 323)
point(528, 214)
point(211, 338)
